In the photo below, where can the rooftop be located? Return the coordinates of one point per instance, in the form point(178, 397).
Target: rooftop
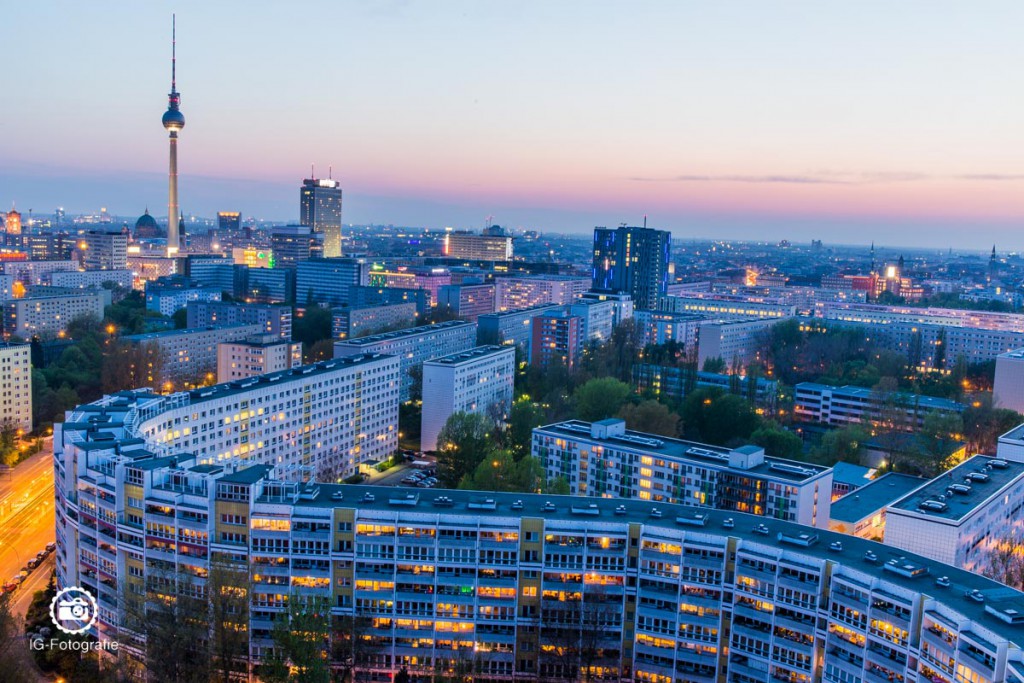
point(1016, 354)
point(854, 475)
point(640, 442)
point(1015, 434)
point(971, 492)
point(471, 355)
point(409, 332)
point(867, 394)
point(872, 497)
point(153, 336)
point(520, 311)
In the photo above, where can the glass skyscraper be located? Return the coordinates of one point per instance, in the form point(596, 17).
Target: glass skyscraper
point(634, 261)
point(320, 209)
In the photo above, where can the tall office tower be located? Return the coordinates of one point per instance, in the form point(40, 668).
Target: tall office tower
point(173, 121)
point(632, 260)
point(104, 250)
point(320, 209)
point(228, 221)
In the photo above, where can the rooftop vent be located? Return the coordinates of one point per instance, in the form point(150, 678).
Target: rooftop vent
point(591, 509)
point(805, 540)
point(408, 500)
point(695, 519)
point(933, 506)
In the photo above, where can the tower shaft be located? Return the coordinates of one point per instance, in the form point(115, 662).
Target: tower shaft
point(172, 197)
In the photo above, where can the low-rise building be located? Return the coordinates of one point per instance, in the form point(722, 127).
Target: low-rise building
point(605, 459)
point(88, 279)
point(168, 297)
point(276, 319)
point(47, 315)
point(480, 380)
point(512, 327)
point(840, 406)
point(257, 355)
point(861, 512)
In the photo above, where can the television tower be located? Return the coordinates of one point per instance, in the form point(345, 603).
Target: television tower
point(173, 121)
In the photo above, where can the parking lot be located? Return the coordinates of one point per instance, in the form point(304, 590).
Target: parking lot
point(403, 474)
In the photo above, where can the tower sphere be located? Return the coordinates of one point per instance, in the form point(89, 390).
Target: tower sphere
point(173, 120)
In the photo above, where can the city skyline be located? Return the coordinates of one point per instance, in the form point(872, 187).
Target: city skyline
point(849, 146)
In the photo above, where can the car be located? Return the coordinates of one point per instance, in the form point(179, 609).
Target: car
point(942, 582)
point(431, 480)
point(41, 555)
point(549, 506)
point(418, 475)
point(50, 547)
point(10, 586)
point(761, 529)
point(729, 523)
point(21, 576)
point(836, 546)
point(424, 484)
point(975, 595)
point(870, 556)
point(32, 564)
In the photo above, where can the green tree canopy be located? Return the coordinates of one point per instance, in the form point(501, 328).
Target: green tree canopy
point(600, 398)
point(464, 442)
point(778, 442)
point(711, 415)
point(651, 417)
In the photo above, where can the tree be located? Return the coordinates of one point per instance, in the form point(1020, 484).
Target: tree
point(939, 432)
point(228, 589)
point(711, 415)
point(518, 435)
point(11, 644)
point(350, 646)
point(464, 442)
point(841, 445)
point(180, 318)
point(600, 398)
point(651, 417)
point(501, 472)
point(416, 383)
point(714, 365)
point(778, 442)
point(984, 424)
point(322, 349)
point(313, 325)
point(301, 642)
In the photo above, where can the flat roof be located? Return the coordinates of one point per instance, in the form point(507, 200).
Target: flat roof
point(961, 505)
point(150, 336)
point(250, 475)
point(655, 444)
point(408, 332)
point(872, 497)
point(476, 353)
point(497, 315)
point(848, 473)
point(865, 393)
point(487, 505)
point(1015, 434)
point(1015, 354)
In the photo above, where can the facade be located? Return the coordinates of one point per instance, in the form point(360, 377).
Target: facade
point(623, 304)
point(229, 221)
point(861, 512)
point(468, 302)
point(48, 315)
point(320, 209)
point(661, 327)
point(147, 268)
point(104, 250)
point(291, 244)
point(556, 338)
point(275, 319)
point(34, 273)
point(1010, 445)
point(632, 260)
point(352, 323)
point(413, 346)
point(166, 299)
point(329, 280)
point(258, 355)
point(268, 285)
point(364, 296)
point(187, 356)
point(598, 318)
point(211, 271)
point(959, 517)
point(403, 277)
point(1008, 390)
point(16, 386)
point(723, 307)
point(480, 380)
point(731, 340)
point(465, 245)
point(512, 327)
point(454, 577)
point(667, 380)
point(526, 291)
point(86, 279)
point(606, 460)
point(840, 406)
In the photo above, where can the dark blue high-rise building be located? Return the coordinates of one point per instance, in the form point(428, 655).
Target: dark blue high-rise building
point(634, 261)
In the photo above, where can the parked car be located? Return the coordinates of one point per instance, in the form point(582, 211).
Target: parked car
point(50, 547)
point(10, 586)
point(32, 564)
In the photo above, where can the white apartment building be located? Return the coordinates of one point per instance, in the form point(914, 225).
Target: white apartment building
point(731, 340)
point(605, 459)
point(725, 307)
point(413, 346)
point(841, 406)
point(104, 250)
point(526, 291)
point(16, 385)
point(473, 247)
point(84, 279)
point(48, 315)
point(480, 380)
point(35, 273)
point(598, 318)
point(623, 304)
point(1008, 390)
point(351, 323)
point(512, 327)
point(167, 300)
point(189, 355)
point(661, 327)
point(960, 516)
point(258, 355)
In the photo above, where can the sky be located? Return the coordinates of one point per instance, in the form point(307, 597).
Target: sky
point(741, 119)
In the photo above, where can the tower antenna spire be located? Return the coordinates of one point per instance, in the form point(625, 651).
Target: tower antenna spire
point(174, 51)
point(330, 176)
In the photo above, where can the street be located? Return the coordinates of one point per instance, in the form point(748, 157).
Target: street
point(26, 517)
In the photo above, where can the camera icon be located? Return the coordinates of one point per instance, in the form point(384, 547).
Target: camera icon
point(75, 609)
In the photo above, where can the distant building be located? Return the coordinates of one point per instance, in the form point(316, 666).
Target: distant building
point(479, 380)
point(724, 307)
point(960, 516)
point(632, 260)
point(187, 356)
point(861, 512)
point(257, 355)
point(12, 223)
point(430, 279)
point(168, 298)
point(465, 245)
point(267, 285)
point(211, 271)
point(229, 221)
point(606, 460)
point(329, 280)
point(512, 327)
point(671, 381)
point(841, 406)
point(598, 318)
point(320, 209)
point(291, 244)
point(525, 291)
point(47, 315)
point(467, 301)
point(623, 304)
point(352, 323)
point(1008, 390)
point(84, 279)
point(661, 327)
point(731, 340)
point(253, 257)
point(557, 338)
point(363, 296)
point(104, 250)
point(275, 319)
point(34, 273)
point(146, 227)
point(413, 346)
point(16, 379)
